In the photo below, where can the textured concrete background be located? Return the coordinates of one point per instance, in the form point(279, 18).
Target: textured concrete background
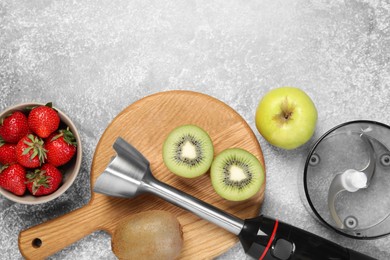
point(94, 58)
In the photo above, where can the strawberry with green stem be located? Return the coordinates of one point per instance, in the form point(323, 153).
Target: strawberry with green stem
point(30, 151)
point(44, 181)
point(14, 127)
point(43, 120)
point(13, 178)
point(61, 147)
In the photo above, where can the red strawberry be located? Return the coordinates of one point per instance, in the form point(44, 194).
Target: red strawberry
point(7, 153)
point(13, 178)
point(43, 120)
point(44, 181)
point(60, 146)
point(14, 127)
point(30, 152)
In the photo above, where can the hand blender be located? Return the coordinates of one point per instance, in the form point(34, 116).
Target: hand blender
point(128, 175)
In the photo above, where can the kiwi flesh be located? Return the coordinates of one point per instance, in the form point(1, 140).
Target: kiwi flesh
point(188, 151)
point(236, 174)
point(153, 234)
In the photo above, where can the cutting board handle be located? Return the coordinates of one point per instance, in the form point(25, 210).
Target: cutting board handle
point(50, 237)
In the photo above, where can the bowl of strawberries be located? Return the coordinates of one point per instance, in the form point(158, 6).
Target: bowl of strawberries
point(40, 153)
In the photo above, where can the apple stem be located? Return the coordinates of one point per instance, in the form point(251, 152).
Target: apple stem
point(286, 115)
point(287, 111)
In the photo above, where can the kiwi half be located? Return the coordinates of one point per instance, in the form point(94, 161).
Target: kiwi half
point(236, 174)
point(188, 151)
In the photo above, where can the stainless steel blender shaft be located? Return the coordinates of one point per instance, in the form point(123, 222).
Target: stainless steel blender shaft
point(128, 174)
point(194, 205)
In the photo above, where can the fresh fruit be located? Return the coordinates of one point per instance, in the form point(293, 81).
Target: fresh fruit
point(286, 117)
point(44, 181)
point(43, 120)
point(7, 153)
point(13, 179)
point(14, 127)
point(30, 152)
point(61, 147)
point(236, 174)
point(188, 151)
point(154, 234)
point(22, 143)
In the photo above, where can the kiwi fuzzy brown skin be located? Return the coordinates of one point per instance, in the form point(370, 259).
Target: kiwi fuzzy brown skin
point(236, 174)
point(188, 151)
point(153, 234)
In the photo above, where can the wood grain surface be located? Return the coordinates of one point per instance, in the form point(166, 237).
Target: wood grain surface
point(145, 124)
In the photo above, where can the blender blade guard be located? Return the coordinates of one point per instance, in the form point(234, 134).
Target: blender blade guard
point(125, 173)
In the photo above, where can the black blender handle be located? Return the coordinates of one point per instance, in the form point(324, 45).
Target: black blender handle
point(265, 238)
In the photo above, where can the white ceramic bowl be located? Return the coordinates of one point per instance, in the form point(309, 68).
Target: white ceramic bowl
point(70, 170)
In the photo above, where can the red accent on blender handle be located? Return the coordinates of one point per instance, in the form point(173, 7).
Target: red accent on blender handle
point(270, 240)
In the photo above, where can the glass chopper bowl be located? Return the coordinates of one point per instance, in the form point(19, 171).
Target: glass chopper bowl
point(346, 179)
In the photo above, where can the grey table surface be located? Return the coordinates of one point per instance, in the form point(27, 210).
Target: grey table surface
point(94, 58)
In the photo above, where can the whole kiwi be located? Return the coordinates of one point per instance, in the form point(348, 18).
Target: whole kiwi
point(153, 234)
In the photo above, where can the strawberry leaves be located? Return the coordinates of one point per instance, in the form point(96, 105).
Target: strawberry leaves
point(36, 145)
point(30, 151)
point(43, 181)
point(38, 179)
point(68, 136)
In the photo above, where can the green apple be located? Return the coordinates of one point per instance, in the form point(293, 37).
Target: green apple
point(286, 117)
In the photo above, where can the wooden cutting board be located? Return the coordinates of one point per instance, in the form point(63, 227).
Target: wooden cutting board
point(145, 124)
